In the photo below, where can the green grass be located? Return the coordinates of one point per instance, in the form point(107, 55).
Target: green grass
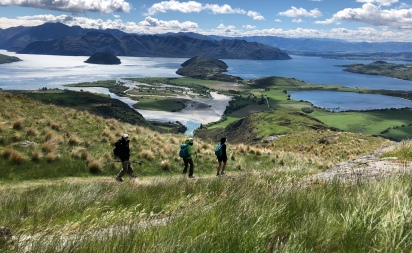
point(253, 212)
point(159, 104)
point(371, 122)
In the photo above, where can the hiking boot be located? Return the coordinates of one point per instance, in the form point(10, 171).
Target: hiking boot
point(133, 176)
point(119, 179)
point(222, 173)
point(217, 174)
point(191, 177)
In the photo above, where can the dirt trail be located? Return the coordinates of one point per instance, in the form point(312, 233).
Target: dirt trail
point(369, 167)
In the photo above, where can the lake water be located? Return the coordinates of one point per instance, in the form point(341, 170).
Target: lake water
point(38, 71)
point(338, 101)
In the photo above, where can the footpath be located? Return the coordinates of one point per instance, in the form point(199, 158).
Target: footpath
point(365, 168)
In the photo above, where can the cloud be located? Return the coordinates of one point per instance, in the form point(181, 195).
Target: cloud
point(300, 13)
point(374, 15)
point(147, 26)
point(196, 7)
point(75, 6)
point(379, 2)
point(186, 7)
point(249, 26)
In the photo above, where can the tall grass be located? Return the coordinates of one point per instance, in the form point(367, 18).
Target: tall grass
point(254, 212)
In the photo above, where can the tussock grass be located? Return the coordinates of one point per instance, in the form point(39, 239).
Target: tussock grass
point(403, 151)
point(63, 192)
point(254, 212)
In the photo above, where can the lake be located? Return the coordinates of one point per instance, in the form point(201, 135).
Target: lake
point(344, 101)
point(38, 71)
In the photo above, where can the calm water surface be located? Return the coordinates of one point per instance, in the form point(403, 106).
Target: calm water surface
point(343, 101)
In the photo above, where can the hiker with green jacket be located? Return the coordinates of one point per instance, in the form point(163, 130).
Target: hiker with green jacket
point(186, 154)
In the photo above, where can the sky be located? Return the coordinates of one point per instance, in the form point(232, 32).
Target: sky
point(350, 20)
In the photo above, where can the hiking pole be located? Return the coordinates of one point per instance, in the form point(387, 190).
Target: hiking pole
point(118, 161)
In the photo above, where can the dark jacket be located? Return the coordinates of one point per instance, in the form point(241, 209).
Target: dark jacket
point(224, 155)
point(124, 150)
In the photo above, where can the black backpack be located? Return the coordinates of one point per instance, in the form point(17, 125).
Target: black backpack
point(116, 149)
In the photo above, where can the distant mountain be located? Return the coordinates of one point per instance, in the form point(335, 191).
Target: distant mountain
point(317, 45)
point(179, 46)
point(174, 44)
point(17, 38)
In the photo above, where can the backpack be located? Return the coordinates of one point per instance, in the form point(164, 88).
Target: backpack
point(184, 151)
point(219, 150)
point(116, 149)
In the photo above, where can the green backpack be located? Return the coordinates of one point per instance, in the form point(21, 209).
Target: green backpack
point(184, 151)
point(219, 150)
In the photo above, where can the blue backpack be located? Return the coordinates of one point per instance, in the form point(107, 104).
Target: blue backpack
point(218, 150)
point(184, 151)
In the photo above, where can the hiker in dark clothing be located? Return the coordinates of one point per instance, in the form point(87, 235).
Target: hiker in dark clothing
point(222, 158)
point(188, 161)
point(124, 155)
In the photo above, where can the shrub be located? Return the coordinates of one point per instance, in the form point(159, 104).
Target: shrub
point(51, 157)
point(32, 131)
point(18, 124)
point(74, 140)
point(94, 167)
point(49, 146)
point(35, 156)
point(16, 157)
point(165, 165)
point(147, 154)
point(307, 110)
point(16, 136)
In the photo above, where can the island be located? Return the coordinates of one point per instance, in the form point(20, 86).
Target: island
point(206, 68)
point(8, 59)
point(382, 68)
point(103, 58)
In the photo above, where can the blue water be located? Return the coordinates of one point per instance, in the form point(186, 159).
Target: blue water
point(315, 70)
point(343, 101)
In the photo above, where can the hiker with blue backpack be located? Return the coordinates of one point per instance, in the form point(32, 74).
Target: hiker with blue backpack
point(221, 156)
point(186, 152)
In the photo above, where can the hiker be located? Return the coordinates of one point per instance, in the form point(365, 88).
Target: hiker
point(186, 154)
point(122, 145)
point(221, 156)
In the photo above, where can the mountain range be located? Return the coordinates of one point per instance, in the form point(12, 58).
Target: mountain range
point(59, 39)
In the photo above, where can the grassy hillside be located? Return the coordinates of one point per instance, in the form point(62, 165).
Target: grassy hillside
point(59, 193)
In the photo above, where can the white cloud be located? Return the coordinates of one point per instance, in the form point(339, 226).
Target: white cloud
point(301, 12)
point(278, 20)
point(374, 15)
point(379, 2)
point(186, 7)
point(297, 20)
point(249, 26)
point(147, 26)
point(76, 6)
point(255, 15)
point(195, 7)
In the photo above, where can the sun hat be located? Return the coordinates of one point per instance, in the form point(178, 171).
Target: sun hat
point(125, 136)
